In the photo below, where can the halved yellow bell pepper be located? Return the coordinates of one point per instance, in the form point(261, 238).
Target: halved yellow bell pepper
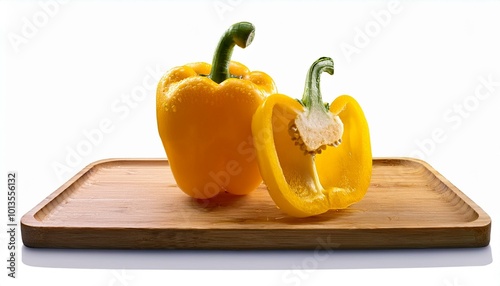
point(204, 115)
point(312, 156)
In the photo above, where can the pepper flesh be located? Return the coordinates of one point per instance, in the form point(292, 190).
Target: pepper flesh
point(204, 115)
point(309, 183)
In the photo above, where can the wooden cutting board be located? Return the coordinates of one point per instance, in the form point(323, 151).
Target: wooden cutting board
point(135, 204)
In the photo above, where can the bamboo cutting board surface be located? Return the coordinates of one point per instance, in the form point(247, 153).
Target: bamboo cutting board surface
point(135, 204)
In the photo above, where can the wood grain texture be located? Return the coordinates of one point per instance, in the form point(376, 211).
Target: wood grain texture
point(135, 204)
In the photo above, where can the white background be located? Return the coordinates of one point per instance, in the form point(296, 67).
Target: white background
point(417, 68)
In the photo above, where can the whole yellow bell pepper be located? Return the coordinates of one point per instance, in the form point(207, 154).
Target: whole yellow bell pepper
point(313, 157)
point(204, 115)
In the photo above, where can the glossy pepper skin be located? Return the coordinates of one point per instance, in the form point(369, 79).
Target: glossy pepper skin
point(305, 182)
point(204, 115)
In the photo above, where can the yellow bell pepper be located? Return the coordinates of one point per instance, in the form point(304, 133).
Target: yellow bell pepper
point(204, 115)
point(313, 157)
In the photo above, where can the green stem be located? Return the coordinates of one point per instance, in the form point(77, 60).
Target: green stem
point(240, 34)
point(311, 98)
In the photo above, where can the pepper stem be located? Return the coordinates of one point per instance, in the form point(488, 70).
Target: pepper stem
point(240, 34)
point(316, 127)
point(312, 93)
